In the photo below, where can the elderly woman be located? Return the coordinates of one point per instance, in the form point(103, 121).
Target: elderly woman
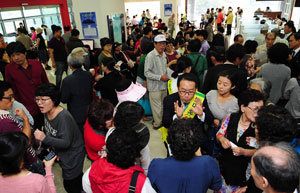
point(236, 153)
point(14, 177)
point(263, 86)
point(276, 70)
point(187, 170)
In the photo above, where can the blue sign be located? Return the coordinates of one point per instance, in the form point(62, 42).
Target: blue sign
point(89, 25)
point(168, 9)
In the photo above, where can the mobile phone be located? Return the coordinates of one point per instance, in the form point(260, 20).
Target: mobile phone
point(49, 156)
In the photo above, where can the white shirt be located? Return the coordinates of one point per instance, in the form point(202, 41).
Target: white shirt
point(287, 35)
point(296, 51)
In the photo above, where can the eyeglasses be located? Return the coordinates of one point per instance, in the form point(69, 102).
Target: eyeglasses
point(183, 92)
point(42, 100)
point(256, 109)
point(10, 98)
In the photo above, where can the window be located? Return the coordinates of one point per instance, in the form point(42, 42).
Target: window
point(31, 16)
point(10, 13)
point(31, 11)
point(9, 27)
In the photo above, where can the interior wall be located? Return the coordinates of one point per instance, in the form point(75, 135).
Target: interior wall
point(102, 8)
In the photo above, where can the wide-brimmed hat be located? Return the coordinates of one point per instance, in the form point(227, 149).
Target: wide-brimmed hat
point(79, 50)
point(129, 91)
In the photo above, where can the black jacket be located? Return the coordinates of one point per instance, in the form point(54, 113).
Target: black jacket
point(168, 110)
point(295, 66)
point(74, 43)
point(77, 92)
point(107, 86)
point(233, 168)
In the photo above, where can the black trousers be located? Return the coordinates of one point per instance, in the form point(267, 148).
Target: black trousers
point(229, 29)
point(74, 185)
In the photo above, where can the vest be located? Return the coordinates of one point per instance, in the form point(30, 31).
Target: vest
point(233, 168)
point(113, 179)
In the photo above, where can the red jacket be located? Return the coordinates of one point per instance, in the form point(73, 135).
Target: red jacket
point(108, 178)
point(93, 141)
point(220, 17)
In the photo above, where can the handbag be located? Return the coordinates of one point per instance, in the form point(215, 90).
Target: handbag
point(129, 61)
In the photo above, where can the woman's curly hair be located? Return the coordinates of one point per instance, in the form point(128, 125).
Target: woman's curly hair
point(185, 137)
point(275, 124)
point(123, 148)
point(128, 114)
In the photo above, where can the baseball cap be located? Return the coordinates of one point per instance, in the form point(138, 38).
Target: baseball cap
point(160, 38)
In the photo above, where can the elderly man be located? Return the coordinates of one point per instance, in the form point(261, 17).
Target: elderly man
point(77, 90)
point(155, 72)
point(261, 51)
point(276, 168)
point(261, 38)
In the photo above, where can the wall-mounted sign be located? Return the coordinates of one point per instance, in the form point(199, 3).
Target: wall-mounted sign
point(89, 25)
point(168, 9)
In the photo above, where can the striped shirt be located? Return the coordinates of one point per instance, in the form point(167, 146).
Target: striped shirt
point(155, 67)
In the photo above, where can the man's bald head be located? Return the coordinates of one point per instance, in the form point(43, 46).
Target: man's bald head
point(278, 165)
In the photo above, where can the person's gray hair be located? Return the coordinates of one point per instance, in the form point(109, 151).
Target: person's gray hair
point(287, 174)
point(269, 33)
point(265, 86)
point(75, 60)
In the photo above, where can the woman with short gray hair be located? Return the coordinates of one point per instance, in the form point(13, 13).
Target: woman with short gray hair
point(262, 85)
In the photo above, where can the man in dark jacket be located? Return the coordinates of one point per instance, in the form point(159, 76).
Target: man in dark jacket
point(77, 89)
point(294, 64)
point(74, 41)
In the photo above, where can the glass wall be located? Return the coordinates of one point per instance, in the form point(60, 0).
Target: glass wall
point(198, 7)
point(31, 16)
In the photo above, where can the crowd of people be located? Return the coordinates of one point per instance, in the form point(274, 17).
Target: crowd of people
point(229, 115)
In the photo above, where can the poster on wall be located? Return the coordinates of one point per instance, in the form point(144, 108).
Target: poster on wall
point(89, 25)
point(116, 27)
point(168, 9)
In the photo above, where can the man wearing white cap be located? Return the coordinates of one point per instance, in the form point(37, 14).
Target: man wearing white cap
point(155, 72)
point(260, 39)
point(76, 89)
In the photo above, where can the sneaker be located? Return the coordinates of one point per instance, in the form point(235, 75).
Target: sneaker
point(48, 67)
